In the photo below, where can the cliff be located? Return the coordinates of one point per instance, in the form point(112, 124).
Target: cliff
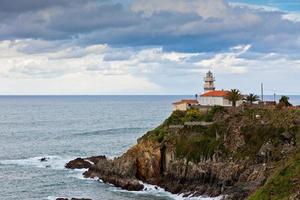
point(246, 152)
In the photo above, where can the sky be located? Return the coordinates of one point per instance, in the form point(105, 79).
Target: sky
point(148, 47)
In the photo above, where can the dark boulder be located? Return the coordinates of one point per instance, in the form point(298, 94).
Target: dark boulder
point(95, 159)
point(73, 199)
point(78, 163)
point(129, 184)
point(80, 199)
point(44, 159)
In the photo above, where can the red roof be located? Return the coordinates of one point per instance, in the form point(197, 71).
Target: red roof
point(187, 101)
point(216, 93)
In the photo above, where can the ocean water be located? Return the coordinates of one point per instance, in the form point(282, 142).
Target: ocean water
point(62, 128)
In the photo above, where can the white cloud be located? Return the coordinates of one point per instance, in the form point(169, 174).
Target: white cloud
point(228, 62)
point(76, 69)
point(204, 8)
point(253, 6)
point(292, 16)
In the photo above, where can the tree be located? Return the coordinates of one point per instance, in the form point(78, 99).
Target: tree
point(234, 95)
point(284, 100)
point(252, 98)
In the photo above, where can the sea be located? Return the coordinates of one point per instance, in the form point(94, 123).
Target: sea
point(62, 128)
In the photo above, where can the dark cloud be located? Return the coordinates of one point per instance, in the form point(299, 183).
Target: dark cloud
point(90, 21)
point(21, 6)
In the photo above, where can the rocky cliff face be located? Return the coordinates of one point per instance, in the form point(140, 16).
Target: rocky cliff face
point(231, 157)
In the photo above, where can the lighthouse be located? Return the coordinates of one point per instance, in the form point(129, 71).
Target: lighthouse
point(209, 82)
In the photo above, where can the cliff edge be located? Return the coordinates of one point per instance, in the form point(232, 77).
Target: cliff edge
point(239, 153)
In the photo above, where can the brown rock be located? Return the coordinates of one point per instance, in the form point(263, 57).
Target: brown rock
point(80, 199)
point(78, 163)
point(95, 159)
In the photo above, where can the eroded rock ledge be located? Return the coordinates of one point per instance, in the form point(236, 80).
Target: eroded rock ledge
point(231, 157)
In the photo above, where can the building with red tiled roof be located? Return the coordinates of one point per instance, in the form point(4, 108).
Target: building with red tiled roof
point(212, 97)
point(215, 93)
point(184, 104)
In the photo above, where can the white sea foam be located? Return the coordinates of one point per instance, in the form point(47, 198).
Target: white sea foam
point(51, 198)
point(58, 163)
point(158, 191)
point(78, 173)
point(53, 162)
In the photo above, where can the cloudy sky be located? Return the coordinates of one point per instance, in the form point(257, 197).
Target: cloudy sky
point(148, 47)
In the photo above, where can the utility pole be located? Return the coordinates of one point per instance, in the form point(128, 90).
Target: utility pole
point(262, 92)
point(274, 97)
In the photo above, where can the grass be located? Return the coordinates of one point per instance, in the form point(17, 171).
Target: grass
point(255, 125)
point(283, 184)
point(255, 136)
point(179, 118)
point(199, 142)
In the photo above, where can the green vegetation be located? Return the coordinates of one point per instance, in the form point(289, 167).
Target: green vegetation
point(239, 133)
point(158, 134)
point(176, 118)
point(284, 101)
point(251, 98)
point(193, 115)
point(215, 110)
point(179, 118)
point(199, 142)
point(256, 136)
point(284, 184)
point(234, 96)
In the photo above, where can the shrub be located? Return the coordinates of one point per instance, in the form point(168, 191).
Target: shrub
point(213, 111)
point(193, 115)
point(175, 118)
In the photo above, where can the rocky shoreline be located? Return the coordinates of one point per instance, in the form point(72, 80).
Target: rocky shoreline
point(208, 178)
point(72, 199)
point(224, 171)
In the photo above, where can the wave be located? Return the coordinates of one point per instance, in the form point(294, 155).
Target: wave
point(53, 162)
point(78, 174)
point(58, 163)
point(103, 132)
point(111, 131)
point(160, 192)
point(149, 189)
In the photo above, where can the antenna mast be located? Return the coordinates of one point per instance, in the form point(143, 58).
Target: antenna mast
point(262, 92)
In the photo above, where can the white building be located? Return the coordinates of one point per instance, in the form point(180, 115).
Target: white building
point(184, 104)
point(212, 97)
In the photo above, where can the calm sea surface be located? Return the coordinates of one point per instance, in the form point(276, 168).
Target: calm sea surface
point(65, 127)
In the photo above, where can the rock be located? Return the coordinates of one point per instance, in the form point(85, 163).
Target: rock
point(73, 199)
point(78, 163)
point(129, 184)
point(229, 170)
point(95, 159)
point(287, 148)
point(91, 173)
point(265, 152)
point(80, 199)
point(44, 159)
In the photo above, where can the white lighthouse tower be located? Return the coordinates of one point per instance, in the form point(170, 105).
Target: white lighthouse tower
point(209, 82)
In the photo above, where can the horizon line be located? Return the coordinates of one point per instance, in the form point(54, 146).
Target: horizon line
point(3, 95)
